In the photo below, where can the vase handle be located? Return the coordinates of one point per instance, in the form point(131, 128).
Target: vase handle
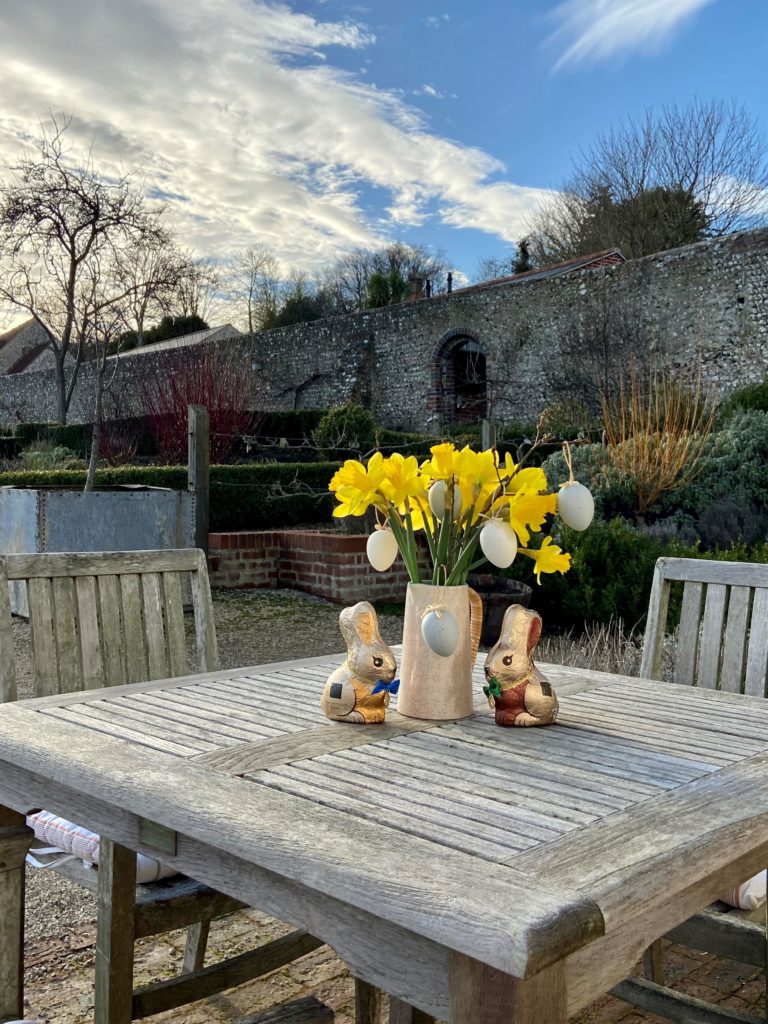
point(475, 622)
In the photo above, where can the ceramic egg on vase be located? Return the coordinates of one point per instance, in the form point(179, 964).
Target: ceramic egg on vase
point(575, 505)
point(498, 543)
point(381, 549)
point(441, 632)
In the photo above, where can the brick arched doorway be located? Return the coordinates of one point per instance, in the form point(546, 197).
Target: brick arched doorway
point(459, 378)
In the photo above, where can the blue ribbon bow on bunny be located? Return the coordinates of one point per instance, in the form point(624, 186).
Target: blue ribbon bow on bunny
point(382, 686)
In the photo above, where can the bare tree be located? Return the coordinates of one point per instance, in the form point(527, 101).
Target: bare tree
point(255, 285)
point(517, 262)
point(197, 290)
point(665, 179)
point(60, 222)
point(349, 278)
point(150, 269)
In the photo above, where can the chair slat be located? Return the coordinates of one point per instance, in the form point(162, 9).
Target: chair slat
point(711, 639)
point(109, 606)
point(65, 626)
point(133, 628)
point(656, 621)
point(90, 633)
point(757, 652)
point(732, 672)
point(205, 630)
point(153, 625)
point(8, 689)
point(688, 635)
point(174, 624)
point(45, 668)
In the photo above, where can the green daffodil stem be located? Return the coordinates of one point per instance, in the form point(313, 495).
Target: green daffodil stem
point(443, 542)
point(461, 568)
point(402, 542)
point(411, 540)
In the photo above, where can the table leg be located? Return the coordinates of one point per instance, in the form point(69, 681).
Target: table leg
point(404, 1013)
point(114, 933)
point(367, 1003)
point(484, 995)
point(15, 840)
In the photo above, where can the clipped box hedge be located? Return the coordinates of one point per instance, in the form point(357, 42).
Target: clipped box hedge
point(258, 496)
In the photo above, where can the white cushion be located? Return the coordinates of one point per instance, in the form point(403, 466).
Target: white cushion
point(749, 895)
point(77, 841)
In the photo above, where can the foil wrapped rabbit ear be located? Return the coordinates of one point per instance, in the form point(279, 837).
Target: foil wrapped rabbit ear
point(359, 624)
point(520, 628)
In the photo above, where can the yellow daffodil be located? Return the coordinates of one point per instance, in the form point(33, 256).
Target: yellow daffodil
point(529, 510)
point(549, 558)
point(478, 478)
point(402, 479)
point(442, 465)
point(356, 485)
point(533, 479)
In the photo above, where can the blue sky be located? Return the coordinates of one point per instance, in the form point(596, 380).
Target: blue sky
point(318, 126)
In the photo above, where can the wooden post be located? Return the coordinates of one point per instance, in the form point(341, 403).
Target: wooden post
point(488, 435)
point(15, 840)
point(198, 465)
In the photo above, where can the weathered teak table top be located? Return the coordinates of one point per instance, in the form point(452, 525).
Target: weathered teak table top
point(475, 872)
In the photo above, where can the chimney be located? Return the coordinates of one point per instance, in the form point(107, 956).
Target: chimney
point(415, 287)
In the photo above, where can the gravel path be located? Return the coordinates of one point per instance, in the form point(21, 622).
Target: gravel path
point(253, 627)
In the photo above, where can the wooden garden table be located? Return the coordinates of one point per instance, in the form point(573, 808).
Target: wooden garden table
point(475, 873)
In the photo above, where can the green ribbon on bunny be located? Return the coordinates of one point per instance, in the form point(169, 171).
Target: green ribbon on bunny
point(492, 690)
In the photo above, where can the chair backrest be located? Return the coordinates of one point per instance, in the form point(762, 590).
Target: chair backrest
point(106, 618)
point(722, 641)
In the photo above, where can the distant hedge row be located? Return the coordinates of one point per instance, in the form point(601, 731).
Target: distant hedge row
point(257, 496)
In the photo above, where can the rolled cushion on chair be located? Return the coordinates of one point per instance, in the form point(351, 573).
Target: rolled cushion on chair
point(79, 842)
point(750, 894)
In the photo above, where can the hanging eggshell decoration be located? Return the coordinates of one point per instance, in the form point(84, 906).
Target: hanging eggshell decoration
point(438, 498)
point(575, 505)
point(441, 632)
point(499, 543)
point(381, 549)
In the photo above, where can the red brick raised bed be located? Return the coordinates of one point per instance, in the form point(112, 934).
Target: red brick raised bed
point(331, 565)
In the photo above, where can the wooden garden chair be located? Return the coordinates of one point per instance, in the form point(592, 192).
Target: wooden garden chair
point(103, 619)
point(722, 644)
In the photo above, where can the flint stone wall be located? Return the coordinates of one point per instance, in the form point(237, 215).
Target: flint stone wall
point(709, 298)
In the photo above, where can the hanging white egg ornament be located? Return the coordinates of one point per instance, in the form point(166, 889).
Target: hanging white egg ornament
point(498, 542)
point(438, 498)
point(381, 549)
point(440, 632)
point(575, 505)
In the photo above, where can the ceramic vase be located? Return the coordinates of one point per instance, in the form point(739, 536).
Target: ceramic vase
point(433, 686)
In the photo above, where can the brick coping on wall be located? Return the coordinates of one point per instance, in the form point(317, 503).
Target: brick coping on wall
point(330, 565)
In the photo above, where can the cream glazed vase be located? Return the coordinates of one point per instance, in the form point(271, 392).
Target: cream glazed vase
point(432, 686)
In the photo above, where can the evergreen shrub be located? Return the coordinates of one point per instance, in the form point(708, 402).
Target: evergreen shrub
point(76, 436)
point(345, 431)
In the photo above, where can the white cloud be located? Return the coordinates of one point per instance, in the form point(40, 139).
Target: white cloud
point(233, 111)
point(429, 90)
point(593, 30)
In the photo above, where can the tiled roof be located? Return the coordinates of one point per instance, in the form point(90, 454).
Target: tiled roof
point(14, 331)
point(553, 270)
point(209, 334)
point(25, 361)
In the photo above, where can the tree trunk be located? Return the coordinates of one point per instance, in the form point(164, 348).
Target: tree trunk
point(61, 390)
point(96, 435)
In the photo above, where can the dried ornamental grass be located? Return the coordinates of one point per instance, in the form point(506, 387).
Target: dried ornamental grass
point(657, 433)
